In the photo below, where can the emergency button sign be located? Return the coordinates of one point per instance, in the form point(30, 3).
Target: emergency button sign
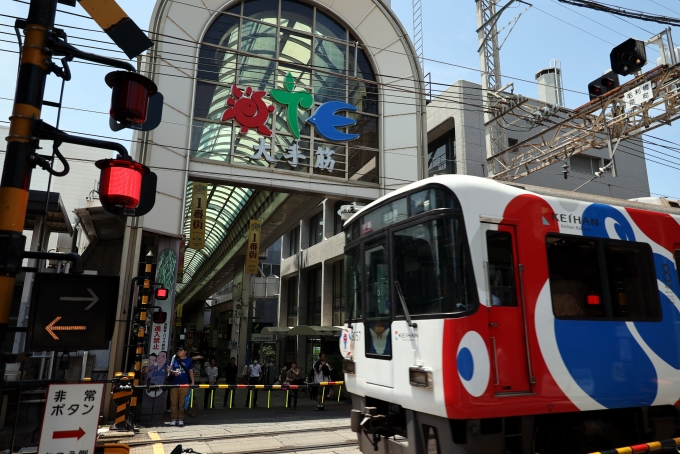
point(71, 418)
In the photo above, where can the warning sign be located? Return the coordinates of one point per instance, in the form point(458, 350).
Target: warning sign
point(71, 418)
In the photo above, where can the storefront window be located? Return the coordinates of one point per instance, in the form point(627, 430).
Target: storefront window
point(292, 313)
point(258, 44)
point(338, 294)
point(314, 297)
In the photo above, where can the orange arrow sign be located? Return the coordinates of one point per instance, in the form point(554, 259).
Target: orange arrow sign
point(51, 328)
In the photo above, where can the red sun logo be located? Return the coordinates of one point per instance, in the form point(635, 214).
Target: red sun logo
point(249, 110)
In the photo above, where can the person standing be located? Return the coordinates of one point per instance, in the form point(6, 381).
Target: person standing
point(231, 374)
point(293, 377)
point(211, 371)
point(254, 377)
point(321, 373)
point(182, 369)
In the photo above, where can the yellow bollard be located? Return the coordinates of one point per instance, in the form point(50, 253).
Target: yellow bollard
point(269, 396)
point(231, 397)
point(339, 391)
point(251, 398)
point(287, 398)
point(323, 394)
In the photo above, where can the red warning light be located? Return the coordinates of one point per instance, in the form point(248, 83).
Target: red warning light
point(129, 96)
point(161, 293)
point(593, 300)
point(121, 182)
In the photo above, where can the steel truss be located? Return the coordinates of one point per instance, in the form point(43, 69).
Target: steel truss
point(601, 123)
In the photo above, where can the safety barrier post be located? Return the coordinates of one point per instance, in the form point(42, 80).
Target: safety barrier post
point(339, 392)
point(269, 396)
point(287, 391)
point(122, 395)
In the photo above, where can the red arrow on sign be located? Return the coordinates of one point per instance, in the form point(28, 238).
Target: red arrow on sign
point(69, 434)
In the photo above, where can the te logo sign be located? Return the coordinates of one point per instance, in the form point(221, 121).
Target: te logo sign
point(250, 111)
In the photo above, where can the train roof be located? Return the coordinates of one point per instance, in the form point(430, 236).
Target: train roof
point(466, 182)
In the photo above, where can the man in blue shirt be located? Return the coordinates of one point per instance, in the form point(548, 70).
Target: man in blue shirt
point(182, 369)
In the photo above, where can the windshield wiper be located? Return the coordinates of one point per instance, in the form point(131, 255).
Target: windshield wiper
point(403, 306)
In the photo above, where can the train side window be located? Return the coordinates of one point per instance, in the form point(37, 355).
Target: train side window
point(432, 269)
point(353, 284)
point(575, 279)
point(602, 279)
point(631, 285)
point(501, 268)
point(377, 297)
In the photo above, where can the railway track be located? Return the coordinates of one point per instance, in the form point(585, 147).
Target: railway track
point(256, 436)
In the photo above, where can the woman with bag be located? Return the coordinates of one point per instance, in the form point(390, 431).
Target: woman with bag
point(181, 369)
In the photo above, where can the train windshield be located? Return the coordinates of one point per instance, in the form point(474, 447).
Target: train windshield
point(415, 243)
point(432, 267)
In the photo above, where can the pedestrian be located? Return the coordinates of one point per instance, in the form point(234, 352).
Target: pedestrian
point(321, 373)
point(231, 374)
point(211, 371)
point(293, 377)
point(254, 377)
point(182, 369)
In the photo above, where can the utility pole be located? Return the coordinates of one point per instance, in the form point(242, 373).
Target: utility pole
point(36, 60)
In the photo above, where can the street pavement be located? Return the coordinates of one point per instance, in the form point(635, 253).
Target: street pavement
point(249, 430)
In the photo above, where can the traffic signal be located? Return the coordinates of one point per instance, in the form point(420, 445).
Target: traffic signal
point(135, 101)
point(628, 57)
point(126, 188)
point(603, 84)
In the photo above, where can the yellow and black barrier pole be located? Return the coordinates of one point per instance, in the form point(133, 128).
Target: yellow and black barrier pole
point(16, 175)
point(142, 308)
point(122, 395)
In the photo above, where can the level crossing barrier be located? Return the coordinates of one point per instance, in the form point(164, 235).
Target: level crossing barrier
point(671, 443)
point(268, 388)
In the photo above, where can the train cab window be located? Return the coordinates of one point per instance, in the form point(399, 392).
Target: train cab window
point(432, 268)
point(386, 215)
point(429, 199)
point(601, 279)
point(353, 284)
point(377, 297)
point(501, 269)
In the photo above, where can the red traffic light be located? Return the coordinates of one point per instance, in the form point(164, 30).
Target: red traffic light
point(607, 82)
point(121, 182)
point(594, 90)
point(129, 96)
point(161, 293)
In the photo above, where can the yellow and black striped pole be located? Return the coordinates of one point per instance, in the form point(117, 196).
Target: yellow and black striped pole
point(142, 308)
point(16, 174)
point(122, 395)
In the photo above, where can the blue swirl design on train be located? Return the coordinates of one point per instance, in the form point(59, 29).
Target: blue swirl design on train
point(600, 213)
point(661, 336)
point(603, 358)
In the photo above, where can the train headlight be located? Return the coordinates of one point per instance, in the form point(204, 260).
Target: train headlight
point(349, 366)
point(420, 377)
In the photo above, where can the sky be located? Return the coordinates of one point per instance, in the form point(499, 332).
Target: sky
point(581, 39)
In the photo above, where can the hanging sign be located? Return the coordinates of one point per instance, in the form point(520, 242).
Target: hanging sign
point(199, 199)
point(253, 252)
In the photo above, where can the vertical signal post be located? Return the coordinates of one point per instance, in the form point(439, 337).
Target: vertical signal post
point(16, 175)
point(142, 308)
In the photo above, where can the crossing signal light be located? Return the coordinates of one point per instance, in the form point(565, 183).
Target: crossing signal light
point(126, 188)
point(603, 85)
point(628, 57)
point(135, 101)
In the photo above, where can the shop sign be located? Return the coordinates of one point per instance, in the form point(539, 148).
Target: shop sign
point(262, 338)
point(253, 252)
point(199, 196)
point(248, 109)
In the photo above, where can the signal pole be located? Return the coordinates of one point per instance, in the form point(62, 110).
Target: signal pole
point(36, 58)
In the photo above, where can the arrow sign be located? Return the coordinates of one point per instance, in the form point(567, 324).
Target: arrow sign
point(92, 299)
point(51, 328)
point(69, 433)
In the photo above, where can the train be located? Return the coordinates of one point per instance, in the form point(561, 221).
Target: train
point(493, 317)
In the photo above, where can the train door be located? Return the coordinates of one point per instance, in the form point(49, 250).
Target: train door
point(506, 318)
point(377, 312)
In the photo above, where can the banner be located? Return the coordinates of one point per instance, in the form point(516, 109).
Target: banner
point(253, 247)
point(199, 196)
